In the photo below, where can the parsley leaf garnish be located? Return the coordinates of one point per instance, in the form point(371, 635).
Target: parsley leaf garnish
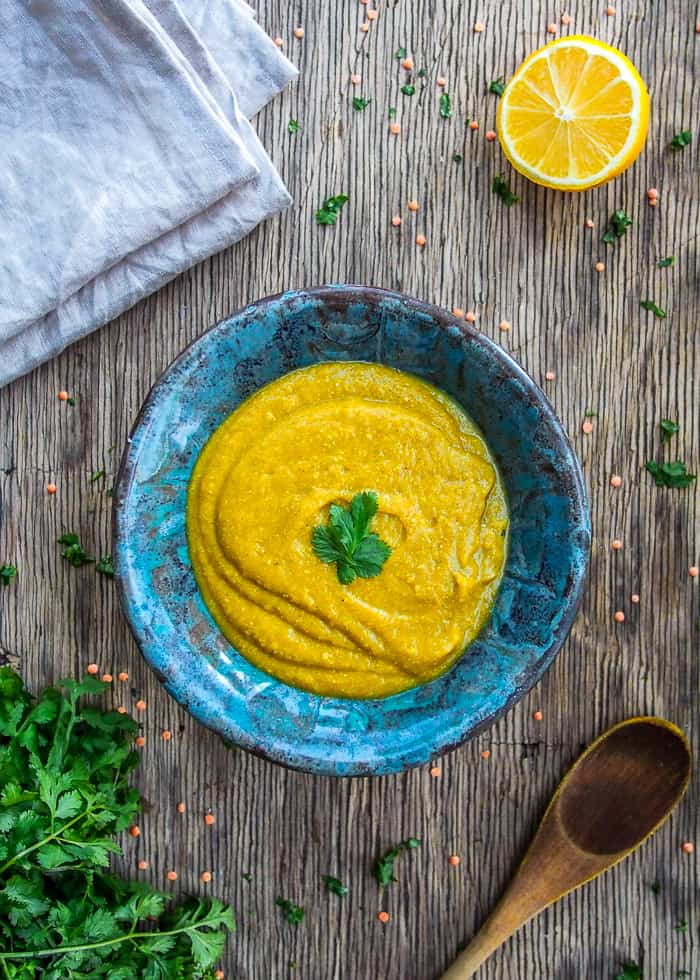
point(445, 106)
point(293, 126)
point(359, 103)
point(501, 188)
point(400, 54)
point(498, 86)
point(668, 429)
point(651, 306)
point(617, 226)
point(292, 913)
point(106, 566)
point(681, 926)
point(668, 261)
point(384, 866)
point(328, 213)
point(457, 157)
point(656, 887)
point(630, 971)
point(65, 768)
point(335, 885)
point(97, 475)
point(408, 89)
point(73, 551)
point(392, 112)
point(681, 140)
point(347, 540)
point(422, 73)
point(7, 573)
point(673, 475)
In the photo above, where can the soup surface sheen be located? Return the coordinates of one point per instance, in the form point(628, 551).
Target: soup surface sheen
point(268, 476)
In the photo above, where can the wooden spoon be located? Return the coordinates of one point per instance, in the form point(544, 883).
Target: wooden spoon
point(617, 794)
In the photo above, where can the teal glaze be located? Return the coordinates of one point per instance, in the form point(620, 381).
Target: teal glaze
point(543, 579)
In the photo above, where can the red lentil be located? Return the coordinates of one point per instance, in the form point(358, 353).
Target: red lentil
point(205, 876)
point(123, 676)
point(407, 63)
point(364, 27)
point(140, 705)
point(140, 741)
point(634, 598)
point(474, 124)
point(610, 11)
point(479, 28)
point(599, 266)
point(619, 617)
point(688, 847)
point(587, 427)
point(504, 325)
point(166, 735)
point(298, 33)
point(454, 860)
point(171, 876)
point(590, 223)
point(143, 864)
point(121, 709)
point(395, 129)
point(279, 42)
point(413, 205)
point(470, 317)
point(356, 79)
point(616, 481)
point(441, 81)
point(565, 19)
point(537, 715)
point(107, 678)
point(491, 135)
point(92, 669)
point(458, 312)
point(372, 14)
point(396, 221)
point(181, 808)
point(63, 396)
point(421, 240)
point(135, 831)
point(694, 571)
point(219, 974)
point(549, 376)
point(209, 819)
point(383, 916)
point(616, 544)
point(51, 488)
point(485, 753)
point(552, 28)
point(435, 771)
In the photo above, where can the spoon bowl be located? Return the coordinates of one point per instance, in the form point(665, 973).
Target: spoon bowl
point(618, 793)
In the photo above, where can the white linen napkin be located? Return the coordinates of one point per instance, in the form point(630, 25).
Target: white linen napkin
point(151, 219)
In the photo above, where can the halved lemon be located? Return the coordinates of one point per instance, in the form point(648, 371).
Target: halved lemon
point(574, 115)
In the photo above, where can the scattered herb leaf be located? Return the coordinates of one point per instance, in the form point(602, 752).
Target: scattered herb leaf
point(97, 475)
point(681, 140)
point(501, 188)
point(293, 126)
point(71, 401)
point(73, 551)
point(590, 415)
point(498, 86)
point(328, 213)
point(400, 54)
point(359, 103)
point(673, 475)
point(7, 573)
point(422, 73)
point(247, 876)
point(106, 566)
point(64, 768)
point(682, 973)
point(656, 887)
point(335, 886)
point(392, 112)
point(408, 89)
point(651, 306)
point(292, 913)
point(347, 540)
point(668, 429)
point(681, 926)
point(445, 106)
point(630, 971)
point(384, 866)
point(617, 226)
point(667, 262)
point(457, 157)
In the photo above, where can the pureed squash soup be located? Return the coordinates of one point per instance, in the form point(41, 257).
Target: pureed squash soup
point(347, 527)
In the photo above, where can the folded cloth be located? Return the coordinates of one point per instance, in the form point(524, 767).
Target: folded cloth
point(137, 272)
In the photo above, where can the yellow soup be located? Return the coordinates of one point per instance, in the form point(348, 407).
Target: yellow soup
point(269, 475)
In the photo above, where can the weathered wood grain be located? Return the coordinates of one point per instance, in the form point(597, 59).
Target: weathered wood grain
point(533, 265)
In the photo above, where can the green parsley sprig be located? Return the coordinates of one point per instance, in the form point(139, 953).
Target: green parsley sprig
point(619, 222)
point(630, 971)
point(672, 475)
point(651, 307)
point(498, 86)
point(501, 188)
point(668, 429)
point(360, 104)
point(384, 866)
point(335, 886)
point(293, 126)
point(73, 552)
point(445, 106)
point(64, 773)
point(681, 140)
point(292, 913)
point(347, 541)
point(7, 573)
point(328, 213)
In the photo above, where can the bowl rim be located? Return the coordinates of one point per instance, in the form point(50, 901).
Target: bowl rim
point(444, 319)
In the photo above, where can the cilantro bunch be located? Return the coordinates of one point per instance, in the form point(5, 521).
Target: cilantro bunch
point(64, 795)
point(347, 541)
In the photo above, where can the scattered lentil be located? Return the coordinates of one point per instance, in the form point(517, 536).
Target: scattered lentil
point(616, 481)
point(171, 876)
point(51, 488)
point(395, 129)
point(549, 376)
point(140, 705)
point(610, 11)
point(279, 42)
point(491, 135)
point(458, 312)
point(619, 616)
point(372, 14)
point(616, 545)
point(413, 205)
point(587, 427)
point(407, 63)
point(590, 223)
point(694, 571)
point(123, 676)
point(652, 192)
point(565, 19)
point(653, 202)
point(143, 864)
point(504, 325)
point(364, 27)
point(121, 709)
point(219, 974)
point(441, 81)
point(474, 124)
point(209, 819)
point(454, 860)
point(485, 753)
point(435, 771)
point(599, 266)
point(421, 240)
point(634, 598)
point(166, 735)
point(63, 396)
point(205, 876)
point(140, 741)
point(479, 28)
point(396, 221)
point(135, 831)
point(383, 916)
point(356, 79)
point(298, 33)
point(180, 808)
point(537, 715)
point(92, 669)
point(552, 28)
point(470, 317)
point(688, 847)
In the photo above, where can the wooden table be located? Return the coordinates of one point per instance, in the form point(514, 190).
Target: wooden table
point(531, 264)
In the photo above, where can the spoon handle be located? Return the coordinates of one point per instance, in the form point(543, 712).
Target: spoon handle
point(501, 924)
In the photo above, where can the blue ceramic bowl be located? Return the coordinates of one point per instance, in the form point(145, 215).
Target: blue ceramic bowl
point(544, 575)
